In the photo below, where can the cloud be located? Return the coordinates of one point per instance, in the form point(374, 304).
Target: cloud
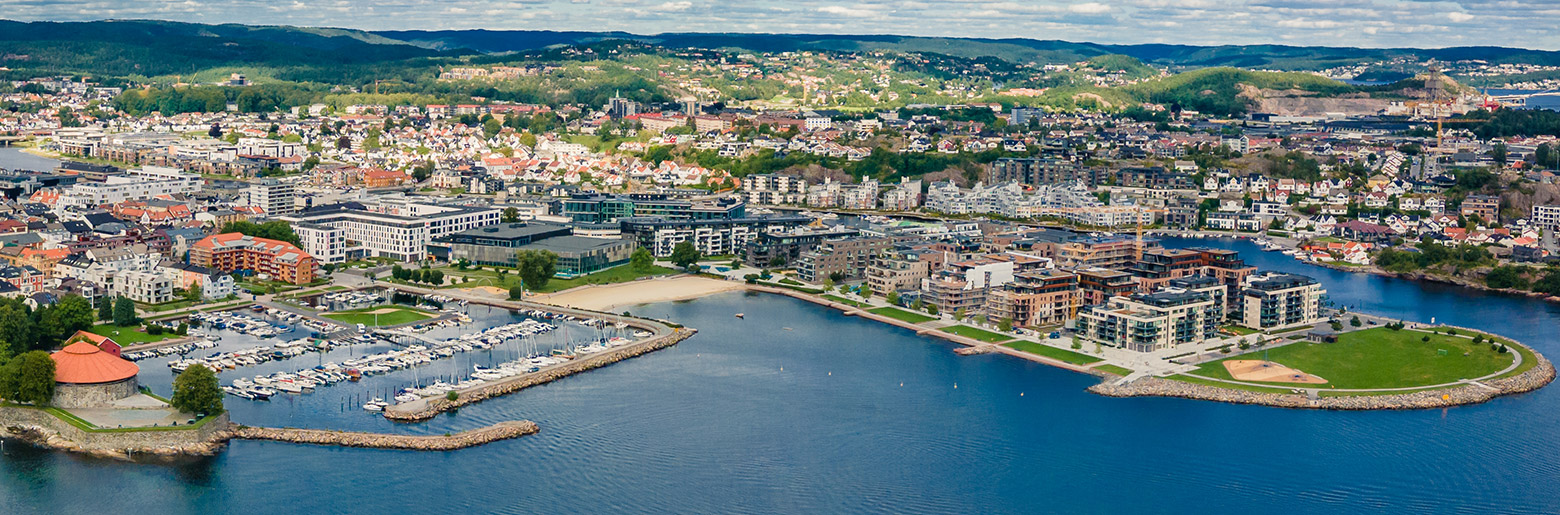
point(1369, 23)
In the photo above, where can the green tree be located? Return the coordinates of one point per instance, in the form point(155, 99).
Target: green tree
point(641, 260)
point(1508, 276)
point(516, 292)
point(436, 277)
point(196, 391)
point(28, 378)
point(536, 267)
point(105, 308)
point(1499, 153)
point(510, 215)
point(892, 297)
point(866, 291)
point(1005, 325)
point(124, 312)
point(684, 254)
point(1355, 321)
point(193, 293)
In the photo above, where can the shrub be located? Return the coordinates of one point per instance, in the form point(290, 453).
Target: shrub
point(453, 395)
point(1426, 339)
point(154, 329)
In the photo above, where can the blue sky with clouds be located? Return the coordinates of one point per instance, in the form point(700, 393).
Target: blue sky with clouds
point(1371, 23)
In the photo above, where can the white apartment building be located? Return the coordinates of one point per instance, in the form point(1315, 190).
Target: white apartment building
point(403, 235)
point(268, 147)
point(768, 188)
point(273, 196)
point(145, 183)
point(1547, 217)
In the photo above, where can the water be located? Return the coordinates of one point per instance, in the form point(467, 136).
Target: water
point(836, 414)
point(12, 158)
point(1550, 102)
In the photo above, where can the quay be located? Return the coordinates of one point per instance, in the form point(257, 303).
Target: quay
point(662, 336)
point(449, 442)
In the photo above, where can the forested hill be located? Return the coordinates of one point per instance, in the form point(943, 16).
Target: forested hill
point(152, 48)
point(1015, 49)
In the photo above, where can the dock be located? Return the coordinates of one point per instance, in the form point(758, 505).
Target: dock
point(447, 442)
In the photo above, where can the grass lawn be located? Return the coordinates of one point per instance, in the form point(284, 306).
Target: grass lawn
point(1240, 331)
point(845, 301)
point(976, 333)
point(900, 314)
point(397, 316)
point(1381, 358)
point(1114, 370)
point(128, 335)
point(488, 277)
point(1055, 353)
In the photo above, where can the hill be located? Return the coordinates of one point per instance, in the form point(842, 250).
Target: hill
point(152, 48)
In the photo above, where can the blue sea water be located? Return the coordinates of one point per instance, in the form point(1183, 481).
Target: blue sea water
point(799, 409)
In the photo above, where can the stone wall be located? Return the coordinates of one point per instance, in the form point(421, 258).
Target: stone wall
point(475, 437)
point(92, 395)
point(42, 428)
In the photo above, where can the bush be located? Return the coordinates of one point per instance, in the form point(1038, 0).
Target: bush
point(452, 396)
point(516, 292)
point(154, 329)
point(1426, 339)
point(1355, 321)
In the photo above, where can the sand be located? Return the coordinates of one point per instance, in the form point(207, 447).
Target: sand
point(605, 297)
point(1268, 372)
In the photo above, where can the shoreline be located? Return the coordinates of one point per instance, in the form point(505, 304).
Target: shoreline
point(1540, 375)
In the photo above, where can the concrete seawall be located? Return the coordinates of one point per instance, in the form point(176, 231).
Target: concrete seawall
point(40, 428)
point(450, 442)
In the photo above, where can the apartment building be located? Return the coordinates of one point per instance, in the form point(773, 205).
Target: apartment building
point(402, 235)
point(231, 252)
point(140, 184)
point(1151, 322)
point(900, 268)
point(273, 197)
point(1035, 299)
point(847, 258)
point(712, 237)
point(327, 244)
point(1277, 300)
point(769, 188)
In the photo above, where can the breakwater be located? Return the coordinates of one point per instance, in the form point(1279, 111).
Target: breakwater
point(428, 408)
point(38, 427)
point(447, 442)
point(1532, 379)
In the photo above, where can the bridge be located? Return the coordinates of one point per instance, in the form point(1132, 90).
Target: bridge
point(6, 141)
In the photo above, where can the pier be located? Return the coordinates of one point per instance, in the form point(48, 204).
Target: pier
point(448, 442)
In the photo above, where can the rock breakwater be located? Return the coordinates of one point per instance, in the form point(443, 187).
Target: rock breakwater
point(448, 442)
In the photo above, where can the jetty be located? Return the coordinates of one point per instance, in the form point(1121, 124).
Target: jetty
point(448, 442)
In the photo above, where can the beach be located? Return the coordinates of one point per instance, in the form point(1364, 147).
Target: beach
point(608, 296)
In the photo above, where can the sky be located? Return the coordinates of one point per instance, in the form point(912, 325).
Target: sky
point(1364, 23)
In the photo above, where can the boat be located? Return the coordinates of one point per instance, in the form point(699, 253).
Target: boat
point(739, 315)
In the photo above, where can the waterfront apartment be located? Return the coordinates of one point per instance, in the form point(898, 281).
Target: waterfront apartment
point(902, 268)
point(1151, 322)
point(783, 247)
point(233, 252)
point(846, 257)
point(711, 237)
point(1096, 285)
point(1277, 300)
point(1035, 299)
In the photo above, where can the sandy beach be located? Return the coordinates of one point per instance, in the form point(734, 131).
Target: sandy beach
point(605, 297)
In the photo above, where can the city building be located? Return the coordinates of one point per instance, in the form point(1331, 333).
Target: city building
point(1276, 301)
point(500, 244)
point(712, 237)
point(235, 252)
point(272, 196)
point(844, 258)
point(1151, 322)
point(592, 208)
point(769, 188)
point(140, 184)
point(400, 232)
point(1035, 299)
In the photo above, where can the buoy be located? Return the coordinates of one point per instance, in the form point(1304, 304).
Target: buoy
point(831, 373)
point(1020, 394)
point(901, 384)
point(955, 386)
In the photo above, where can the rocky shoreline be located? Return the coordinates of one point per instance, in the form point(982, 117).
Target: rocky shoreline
point(447, 442)
point(435, 406)
point(1534, 378)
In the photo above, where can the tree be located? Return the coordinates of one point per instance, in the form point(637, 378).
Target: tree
point(1005, 325)
point(641, 260)
point(931, 308)
point(215, 132)
point(1499, 153)
point(193, 293)
point(516, 292)
point(684, 254)
point(1355, 321)
point(958, 314)
point(892, 298)
point(866, 291)
point(124, 312)
point(28, 378)
point(536, 266)
point(436, 277)
point(196, 391)
point(105, 308)
point(1508, 276)
point(776, 261)
point(510, 215)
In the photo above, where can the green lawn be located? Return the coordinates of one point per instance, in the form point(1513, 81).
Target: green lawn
point(129, 335)
point(399, 315)
point(848, 302)
point(1055, 353)
point(900, 314)
point(1114, 370)
point(1240, 331)
point(488, 277)
point(1381, 358)
point(976, 333)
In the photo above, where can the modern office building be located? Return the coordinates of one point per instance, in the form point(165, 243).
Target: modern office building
point(140, 184)
point(711, 237)
point(592, 208)
point(327, 244)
